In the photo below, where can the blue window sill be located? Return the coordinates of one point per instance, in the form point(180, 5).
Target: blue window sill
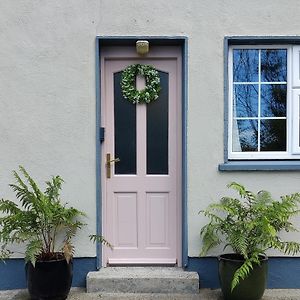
point(278, 165)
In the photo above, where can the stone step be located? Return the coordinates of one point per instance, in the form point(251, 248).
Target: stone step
point(162, 280)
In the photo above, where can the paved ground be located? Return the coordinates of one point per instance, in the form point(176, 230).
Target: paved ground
point(205, 294)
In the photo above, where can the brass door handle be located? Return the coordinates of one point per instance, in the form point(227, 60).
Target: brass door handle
point(109, 161)
point(113, 160)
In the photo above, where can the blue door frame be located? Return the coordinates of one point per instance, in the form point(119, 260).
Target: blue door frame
point(130, 40)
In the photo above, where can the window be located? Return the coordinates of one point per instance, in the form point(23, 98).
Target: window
point(264, 95)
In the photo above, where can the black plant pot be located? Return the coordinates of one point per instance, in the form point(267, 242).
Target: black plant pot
point(251, 288)
point(49, 280)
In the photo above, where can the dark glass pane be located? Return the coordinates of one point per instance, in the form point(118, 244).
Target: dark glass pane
point(245, 100)
point(273, 135)
point(245, 65)
point(273, 100)
point(157, 130)
point(244, 135)
point(273, 65)
point(125, 130)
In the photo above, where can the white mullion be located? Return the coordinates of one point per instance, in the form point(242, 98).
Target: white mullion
point(259, 94)
point(262, 118)
point(245, 118)
point(245, 83)
point(274, 83)
point(254, 82)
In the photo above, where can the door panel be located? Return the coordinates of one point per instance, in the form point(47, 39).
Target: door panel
point(157, 219)
point(126, 219)
point(141, 199)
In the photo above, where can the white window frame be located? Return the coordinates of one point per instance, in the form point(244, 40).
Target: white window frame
point(296, 118)
point(292, 114)
point(296, 66)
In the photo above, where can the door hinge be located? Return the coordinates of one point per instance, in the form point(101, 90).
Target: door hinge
point(101, 134)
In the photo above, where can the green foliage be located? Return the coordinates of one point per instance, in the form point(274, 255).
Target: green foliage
point(100, 239)
point(250, 225)
point(149, 93)
point(42, 221)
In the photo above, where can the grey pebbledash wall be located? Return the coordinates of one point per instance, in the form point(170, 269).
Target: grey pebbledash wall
point(48, 97)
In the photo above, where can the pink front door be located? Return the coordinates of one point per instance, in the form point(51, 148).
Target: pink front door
point(142, 191)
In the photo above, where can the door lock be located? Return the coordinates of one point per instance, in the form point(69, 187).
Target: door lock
point(109, 161)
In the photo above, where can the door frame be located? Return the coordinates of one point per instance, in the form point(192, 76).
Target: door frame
point(100, 133)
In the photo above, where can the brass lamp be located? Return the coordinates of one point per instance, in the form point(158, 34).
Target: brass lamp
point(142, 47)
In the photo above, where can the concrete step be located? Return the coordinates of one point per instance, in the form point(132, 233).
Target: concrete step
point(162, 280)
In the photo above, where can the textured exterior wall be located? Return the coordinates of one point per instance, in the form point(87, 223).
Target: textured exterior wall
point(47, 98)
point(47, 89)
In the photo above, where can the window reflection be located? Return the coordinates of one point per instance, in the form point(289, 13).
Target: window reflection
point(245, 65)
point(247, 135)
point(273, 100)
point(246, 100)
point(273, 135)
point(273, 65)
point(259, 100)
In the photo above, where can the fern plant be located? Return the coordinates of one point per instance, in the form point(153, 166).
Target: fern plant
point(250, 224)
point(41, 221)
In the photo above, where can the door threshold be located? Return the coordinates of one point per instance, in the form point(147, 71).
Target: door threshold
point(141, 262)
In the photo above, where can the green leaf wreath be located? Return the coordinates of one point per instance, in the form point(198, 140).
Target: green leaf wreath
point(149, 93)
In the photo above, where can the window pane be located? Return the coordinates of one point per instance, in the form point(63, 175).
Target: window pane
point(245, 65)
point(157, 130)
point(125, 130)
point(244, 135)
point(273, 100)
point(245, 100)
point(273, 135)
point(273, 65)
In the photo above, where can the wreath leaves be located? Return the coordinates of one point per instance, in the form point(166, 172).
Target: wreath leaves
point(149, 93)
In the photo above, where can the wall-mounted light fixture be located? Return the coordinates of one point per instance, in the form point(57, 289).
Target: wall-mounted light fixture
point(142, 47)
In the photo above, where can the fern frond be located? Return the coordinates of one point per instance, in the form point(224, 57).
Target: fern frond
point(34, 248)
point(71, 229)
point(263, 198)
point(242, 272)
point(100, 239)
point(8, 207)
point(239, 243)
point(54, 187)
point(31, 182)
point(242, 191)
point(210, 238)
point(290, 248)
point(212, 216)
point(224, 206)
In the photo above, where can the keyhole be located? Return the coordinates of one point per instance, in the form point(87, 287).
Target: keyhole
point(140, 82)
